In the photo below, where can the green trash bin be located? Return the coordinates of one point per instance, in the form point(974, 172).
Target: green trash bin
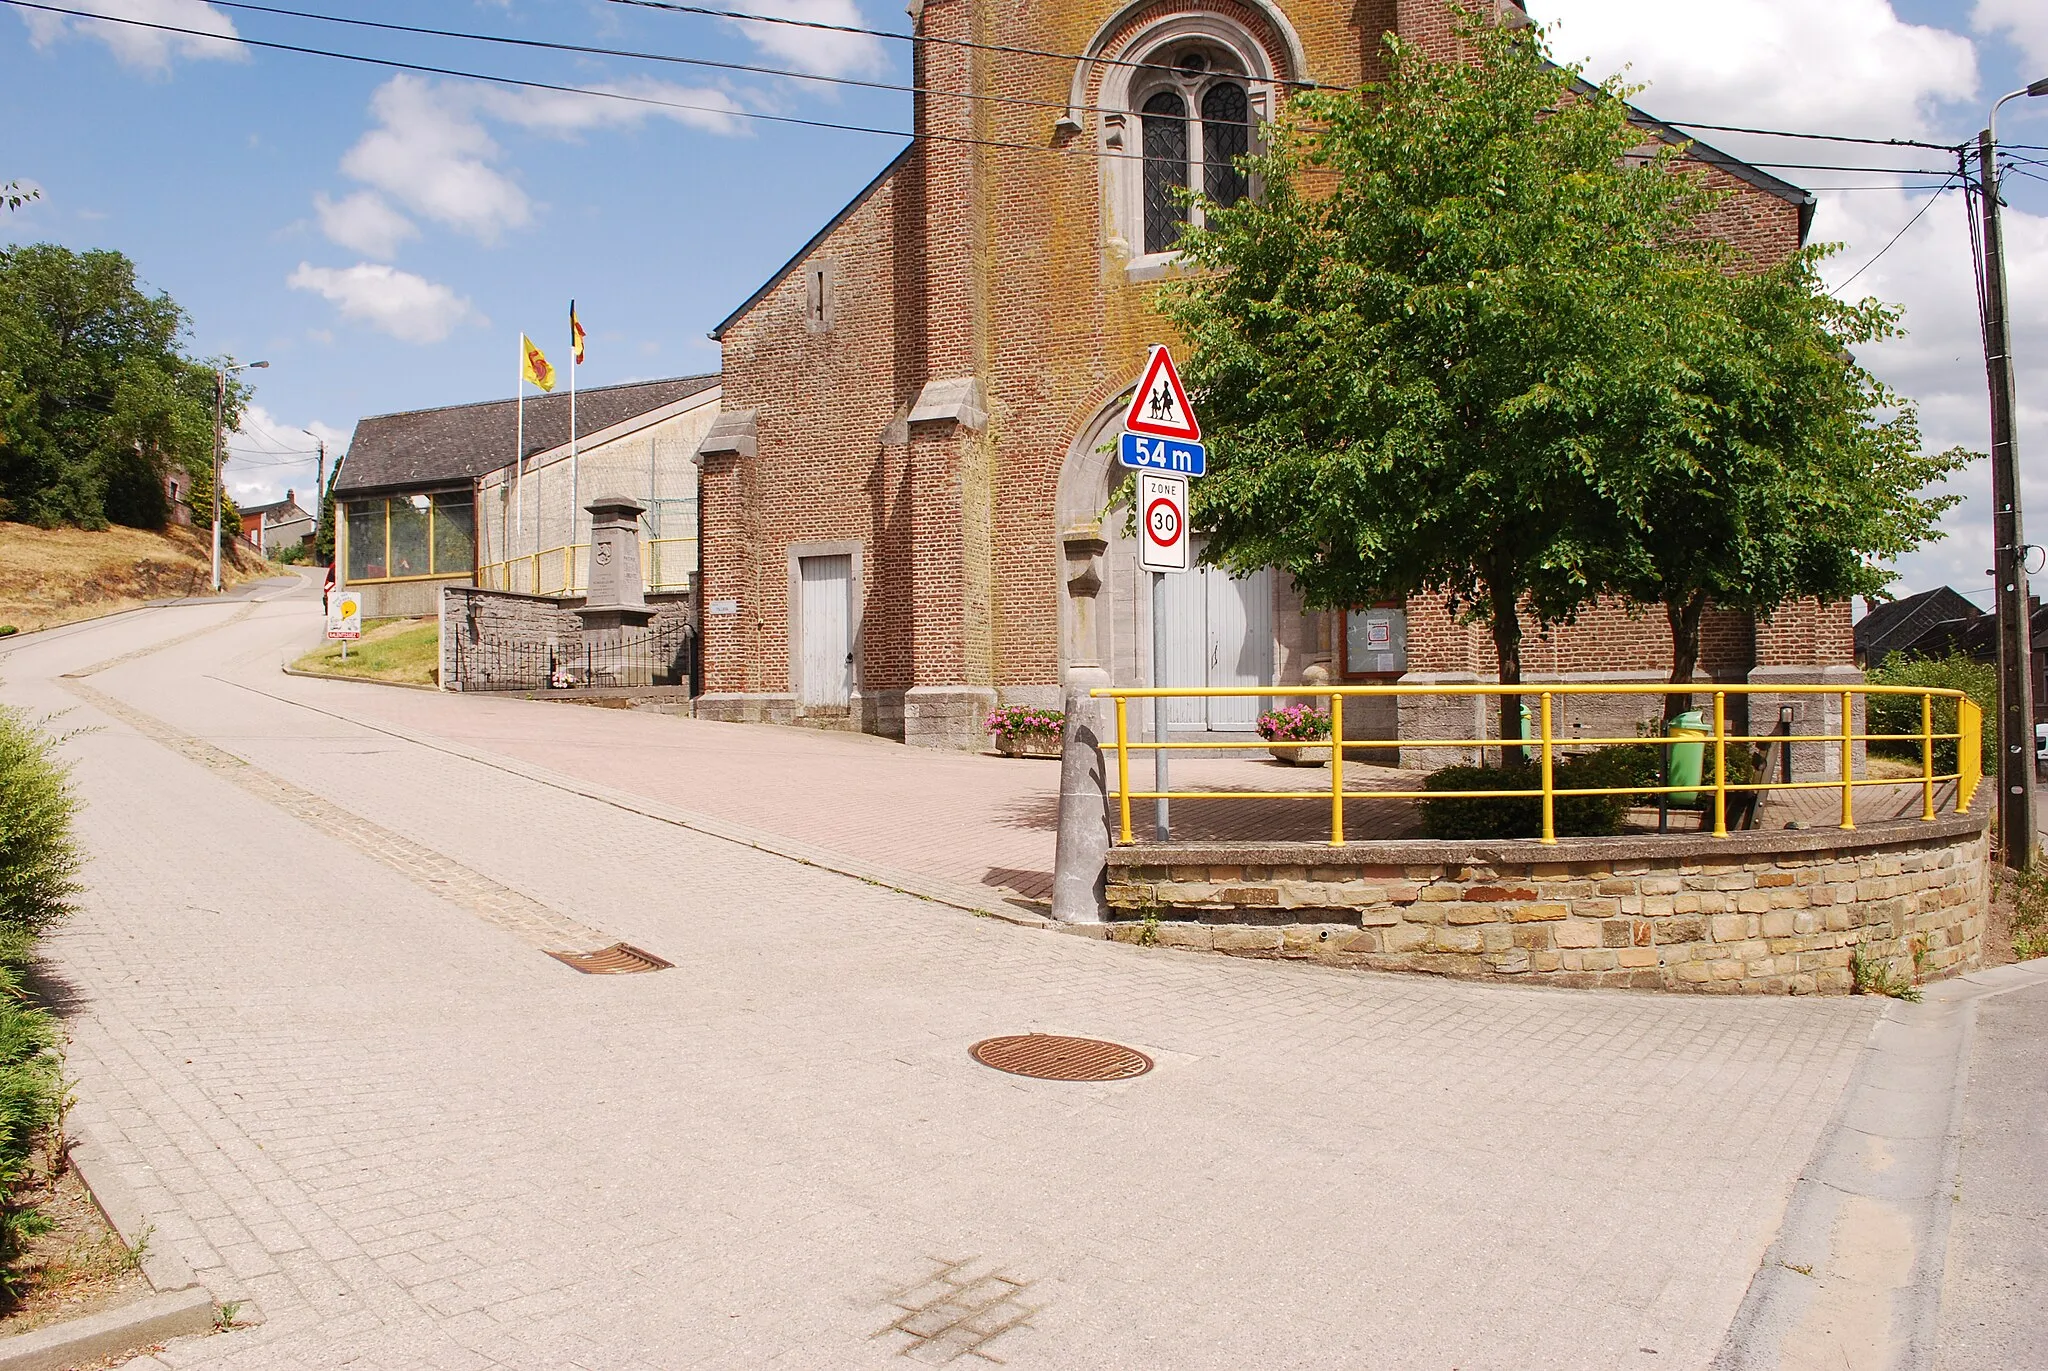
point(1687, 758)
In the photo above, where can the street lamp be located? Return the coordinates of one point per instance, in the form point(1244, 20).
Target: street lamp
point(220, 403)
point(2015, 647)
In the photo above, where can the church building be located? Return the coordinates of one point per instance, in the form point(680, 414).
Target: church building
point(904, 498)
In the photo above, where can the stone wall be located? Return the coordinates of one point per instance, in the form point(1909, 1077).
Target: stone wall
point(478, 618)
point(1753, 913)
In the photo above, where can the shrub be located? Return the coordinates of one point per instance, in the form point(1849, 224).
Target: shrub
point(291, 554)
point(1023, 720)
point(1302, 723)
point(38, 876)
point(1901, 713)
point(1576, 816)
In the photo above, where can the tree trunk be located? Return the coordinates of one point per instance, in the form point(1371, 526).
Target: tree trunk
point(1507, 650)
point(1685, 650)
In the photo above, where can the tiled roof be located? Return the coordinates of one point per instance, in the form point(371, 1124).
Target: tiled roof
point(426, 448)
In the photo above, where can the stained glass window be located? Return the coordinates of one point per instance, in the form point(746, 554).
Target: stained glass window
point(1166, 169)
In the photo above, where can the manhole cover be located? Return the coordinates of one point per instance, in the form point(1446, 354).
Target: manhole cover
point(1050, 1057)
point(619, 959)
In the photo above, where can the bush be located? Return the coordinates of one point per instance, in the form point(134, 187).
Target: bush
point(291, 554)
point(1576, 816)
point(1901, 713)
point(38, 876)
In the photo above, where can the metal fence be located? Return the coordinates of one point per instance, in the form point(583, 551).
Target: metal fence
point(1547, 748)
point(652, 657)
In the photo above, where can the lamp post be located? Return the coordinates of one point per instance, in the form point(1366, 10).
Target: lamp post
point(220, 404)
point(2015, 647)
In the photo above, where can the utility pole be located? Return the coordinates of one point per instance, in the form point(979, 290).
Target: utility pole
point(220, 404)
point(220, 400)
point(2016, 833)
point(319, 488)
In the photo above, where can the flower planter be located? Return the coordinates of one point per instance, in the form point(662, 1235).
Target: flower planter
point(1300, 756)
point(1028, 744)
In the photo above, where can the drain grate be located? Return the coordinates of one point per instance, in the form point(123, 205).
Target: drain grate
point(1050, 1057)
point(620, 959)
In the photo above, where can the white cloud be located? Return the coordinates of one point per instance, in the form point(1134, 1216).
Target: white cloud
point(397, 302)
point(2025, 20)
point(1825, 66)
point(144, 48)
point(566, 114)
point(430, 154)
point(364, 221)
point(820, 51)
point(268, 456)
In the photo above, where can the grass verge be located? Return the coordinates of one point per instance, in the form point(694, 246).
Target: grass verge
point(51, 576)
point(407, 651)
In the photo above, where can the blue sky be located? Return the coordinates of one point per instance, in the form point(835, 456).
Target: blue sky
point(381, 238)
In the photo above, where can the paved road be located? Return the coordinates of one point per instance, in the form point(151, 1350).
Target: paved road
point(313, 1023)
point(1992, 1314)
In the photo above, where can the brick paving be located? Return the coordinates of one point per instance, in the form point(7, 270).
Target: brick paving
point(411, 1139)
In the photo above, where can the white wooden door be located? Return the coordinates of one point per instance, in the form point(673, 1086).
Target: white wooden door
point(1240, 646)
point(1219, 632)
point(826, 607)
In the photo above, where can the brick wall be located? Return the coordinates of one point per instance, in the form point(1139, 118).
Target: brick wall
point(1763, 913)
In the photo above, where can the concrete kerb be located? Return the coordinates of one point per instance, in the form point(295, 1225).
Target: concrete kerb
point(1855, 1274)
point(356, 680)
point(177, 1306)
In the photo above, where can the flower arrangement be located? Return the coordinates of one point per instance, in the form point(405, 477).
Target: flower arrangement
point(1026, 721)
point(1302, 723)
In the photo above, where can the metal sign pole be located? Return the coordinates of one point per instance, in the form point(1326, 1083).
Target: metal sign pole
point(1160, 821)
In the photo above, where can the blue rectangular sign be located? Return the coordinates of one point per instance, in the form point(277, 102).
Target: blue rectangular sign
point(1163, 454)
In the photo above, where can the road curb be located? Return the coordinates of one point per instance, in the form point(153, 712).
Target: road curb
point(356, 680)
point(177, 1307)
point(1854, 1276)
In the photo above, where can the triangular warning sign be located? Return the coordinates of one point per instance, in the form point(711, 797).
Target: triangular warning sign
point(1159, 407)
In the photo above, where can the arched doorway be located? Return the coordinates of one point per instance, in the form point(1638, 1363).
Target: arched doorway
point(1220, 629)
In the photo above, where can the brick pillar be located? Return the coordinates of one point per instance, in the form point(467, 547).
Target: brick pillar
point(1807, 643)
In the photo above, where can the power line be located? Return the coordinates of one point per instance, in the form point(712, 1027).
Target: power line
point(635, 54)
point(1007, 48)
point(1894, 238)
point(1818, 137)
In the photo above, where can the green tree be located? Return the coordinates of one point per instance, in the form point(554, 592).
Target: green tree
point(1769, 465)
point(97, 400)
point(1412, 351)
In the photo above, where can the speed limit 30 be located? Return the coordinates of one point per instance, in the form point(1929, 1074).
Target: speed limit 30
point(1163, 521)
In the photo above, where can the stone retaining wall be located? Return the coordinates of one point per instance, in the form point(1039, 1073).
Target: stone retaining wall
point(1753, 913)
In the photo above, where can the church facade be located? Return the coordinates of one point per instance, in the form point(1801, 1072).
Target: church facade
point(904, 500)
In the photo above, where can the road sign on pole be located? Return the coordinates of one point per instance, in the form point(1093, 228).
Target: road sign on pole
point(1159, 406)
point(1162, 522)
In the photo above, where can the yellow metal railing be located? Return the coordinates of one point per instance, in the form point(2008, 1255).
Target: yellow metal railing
point(1545, 743)
point(666, 563)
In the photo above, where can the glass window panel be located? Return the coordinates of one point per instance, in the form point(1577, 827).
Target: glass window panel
point(410, 555)
point(1166, 169)
point(1226, 136)
point(454, 534)
point(365, 540)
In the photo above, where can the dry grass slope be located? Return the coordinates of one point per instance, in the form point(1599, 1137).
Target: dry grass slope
point(60, 575)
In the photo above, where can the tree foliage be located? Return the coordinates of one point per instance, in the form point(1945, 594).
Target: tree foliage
point(1473, 340)
point(97, 400)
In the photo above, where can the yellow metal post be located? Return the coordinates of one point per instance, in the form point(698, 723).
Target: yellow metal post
point(1720, 764)
point(1927, 756)
point(1123, 770)
point(1969, 752)
point(1549, 795)
point(1336, 768)
point(1848, 759)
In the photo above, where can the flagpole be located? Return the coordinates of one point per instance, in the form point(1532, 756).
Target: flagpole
point(519, 459)
point(569, 573)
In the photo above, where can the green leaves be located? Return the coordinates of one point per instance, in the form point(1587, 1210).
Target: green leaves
point(1475, 341)
point(96, 399)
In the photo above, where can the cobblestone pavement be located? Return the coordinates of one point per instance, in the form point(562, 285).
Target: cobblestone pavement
point(348, 1093)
